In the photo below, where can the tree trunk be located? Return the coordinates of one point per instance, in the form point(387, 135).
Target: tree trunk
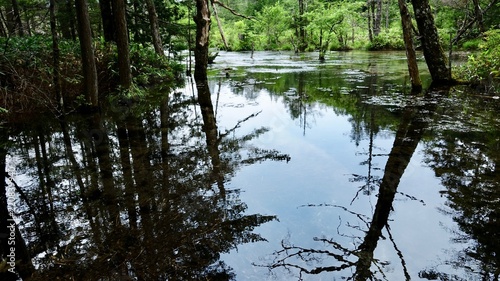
point(202, 20)
point(369, 18)
point(17, 18)
point(3, 25)
point(120, 24)
point(479, 16)
point(155, 30)
point(302, 30)
point(377, 20)
point(55, 54)
point(88, 59)
point(433, 51)
point(416, 83)
point(107, 20)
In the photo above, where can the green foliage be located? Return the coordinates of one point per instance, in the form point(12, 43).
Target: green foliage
point(149, 69)
point(26, 71)
point(471, 45)
point(486, 65)
point(391, 39)
point(272, 25)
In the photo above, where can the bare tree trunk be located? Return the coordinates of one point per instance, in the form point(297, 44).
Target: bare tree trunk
point(55, 54)
point(369, 18)
point(107, 20)
point(17, 18)
point(302, 30)
point(88, 59)
point(219, 25)
point(387, 9)
point(120, 24)
point(202, 20)
point(3, 25)
point(433, 51)
point(479, 16)
point(155, 29)
point(377, 21)
point(416, 83)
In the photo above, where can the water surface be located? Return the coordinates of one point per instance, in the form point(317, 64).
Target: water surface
point(285, 168)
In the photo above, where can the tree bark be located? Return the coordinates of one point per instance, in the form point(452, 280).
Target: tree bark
point(377, 20)
point(120, 24)
point(416, 83)
point(433, 51)
point(107, 20)
point(55, 54)
point(17, 18)
point(155, 29)
point(302, 30)
point(369, 18)
point(479, 16)
point(202, 20)
point(88, 59)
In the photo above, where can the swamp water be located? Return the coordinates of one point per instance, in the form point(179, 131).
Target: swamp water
point(287, 168)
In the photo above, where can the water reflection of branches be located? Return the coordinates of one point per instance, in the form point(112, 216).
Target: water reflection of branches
point(360, 257)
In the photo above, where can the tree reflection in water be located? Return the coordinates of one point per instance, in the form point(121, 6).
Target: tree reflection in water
point(137, 193)
point(467, 159)
point(360, 258)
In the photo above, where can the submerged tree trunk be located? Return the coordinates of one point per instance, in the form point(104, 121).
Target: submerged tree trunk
point(88, 59)
point(416, 83)
point(433, 51)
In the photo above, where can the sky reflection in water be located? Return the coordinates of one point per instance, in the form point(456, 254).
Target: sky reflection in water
point(168, 188)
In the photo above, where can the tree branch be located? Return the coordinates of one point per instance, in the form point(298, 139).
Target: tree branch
point(231, 10)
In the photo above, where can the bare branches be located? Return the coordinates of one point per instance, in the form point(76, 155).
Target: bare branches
point(230, 10)
point(238, 124)
point(467, 25)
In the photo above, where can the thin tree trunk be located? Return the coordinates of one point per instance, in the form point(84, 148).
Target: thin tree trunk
point(155, 29)
point(120, 24)
point(17, 18)
point(302, 30)
point(88, 59)
point(387, 9)
point(3, 25)
point(219, 25)
point(479, 16)
point(377, 21)
point(55, 55)
point(369, 18)
point(411, 57)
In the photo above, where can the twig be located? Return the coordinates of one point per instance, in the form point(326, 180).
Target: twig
point(232, 10)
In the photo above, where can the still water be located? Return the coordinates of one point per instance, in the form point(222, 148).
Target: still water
point(284, 168)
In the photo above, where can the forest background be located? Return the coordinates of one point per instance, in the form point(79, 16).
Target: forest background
point(71, 52)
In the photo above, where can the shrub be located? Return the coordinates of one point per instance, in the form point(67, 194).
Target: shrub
point(486, 64)
point(471, 45)
point(391, 39)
